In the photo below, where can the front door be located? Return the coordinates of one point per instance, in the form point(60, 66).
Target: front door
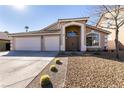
point(72, 42)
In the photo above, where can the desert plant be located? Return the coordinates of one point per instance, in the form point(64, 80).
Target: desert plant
point(53, 68)
point(58, 61)
point(45, 81)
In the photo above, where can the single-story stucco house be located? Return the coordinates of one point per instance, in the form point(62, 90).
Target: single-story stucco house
point(71, 34)
point(4, 42)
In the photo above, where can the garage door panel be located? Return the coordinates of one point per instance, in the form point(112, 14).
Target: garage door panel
point(28, 43)
point(51, 43)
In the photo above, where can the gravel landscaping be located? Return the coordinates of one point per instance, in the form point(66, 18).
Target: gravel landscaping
point(57, 78)
point(95, 71)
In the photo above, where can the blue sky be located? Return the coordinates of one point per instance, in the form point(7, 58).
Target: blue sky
point(37, 17)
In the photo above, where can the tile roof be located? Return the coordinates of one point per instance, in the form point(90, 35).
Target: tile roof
point(4, 36)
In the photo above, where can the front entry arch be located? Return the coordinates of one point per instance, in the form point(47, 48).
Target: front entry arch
point(72, 38)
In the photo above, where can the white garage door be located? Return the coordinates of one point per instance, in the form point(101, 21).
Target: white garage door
point(51, 43)
point(28, 43)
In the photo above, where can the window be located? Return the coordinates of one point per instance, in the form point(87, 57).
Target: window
point(109, 37)
point(106, 38)
point(71, 34)
point(92, 39)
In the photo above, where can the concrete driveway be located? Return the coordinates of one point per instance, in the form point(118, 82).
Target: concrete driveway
point(19, 68)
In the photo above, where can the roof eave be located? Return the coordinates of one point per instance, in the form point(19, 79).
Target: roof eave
point(32, 34)
point(73, 19)
point(99, 29)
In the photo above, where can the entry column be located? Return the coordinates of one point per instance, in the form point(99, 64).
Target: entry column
point(83, 38)
point(62, 39)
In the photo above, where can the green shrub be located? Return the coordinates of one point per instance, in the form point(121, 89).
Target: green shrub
point(73, 53)
point(97, 53)
point(62, 52)
point(98, 50)
point(53, 68)
point(45, 80)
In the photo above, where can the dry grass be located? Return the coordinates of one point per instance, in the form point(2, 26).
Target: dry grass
point(95, 71)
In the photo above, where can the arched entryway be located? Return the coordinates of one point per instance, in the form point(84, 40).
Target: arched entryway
point(72, 38)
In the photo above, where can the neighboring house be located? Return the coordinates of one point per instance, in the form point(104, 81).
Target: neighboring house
point(106, 24)
point(71, 34)
point(4, 42)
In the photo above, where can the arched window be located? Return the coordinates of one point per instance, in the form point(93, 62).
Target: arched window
point(92, 39)
point(71, 34)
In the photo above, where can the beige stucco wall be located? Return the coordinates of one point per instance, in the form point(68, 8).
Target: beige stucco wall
point(111, 38)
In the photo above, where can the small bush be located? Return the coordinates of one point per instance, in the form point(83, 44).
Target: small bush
point(58, 61)
point(62, 52)
point(98, 50)
point(97, 53)
point(73, 53)
point(53, 68)
point(45, 81)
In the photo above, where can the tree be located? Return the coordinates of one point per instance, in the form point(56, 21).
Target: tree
point(26, 27)
point(116, 20)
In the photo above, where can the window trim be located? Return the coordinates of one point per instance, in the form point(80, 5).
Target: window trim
point(94, 32)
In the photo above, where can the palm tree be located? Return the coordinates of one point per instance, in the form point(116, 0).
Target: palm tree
point(26, 27)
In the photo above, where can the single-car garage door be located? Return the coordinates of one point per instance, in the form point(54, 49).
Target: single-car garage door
point(28, 43)
point(51, 43)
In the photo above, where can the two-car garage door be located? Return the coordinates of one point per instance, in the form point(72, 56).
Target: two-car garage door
point(47, 43)
point(28, 43)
